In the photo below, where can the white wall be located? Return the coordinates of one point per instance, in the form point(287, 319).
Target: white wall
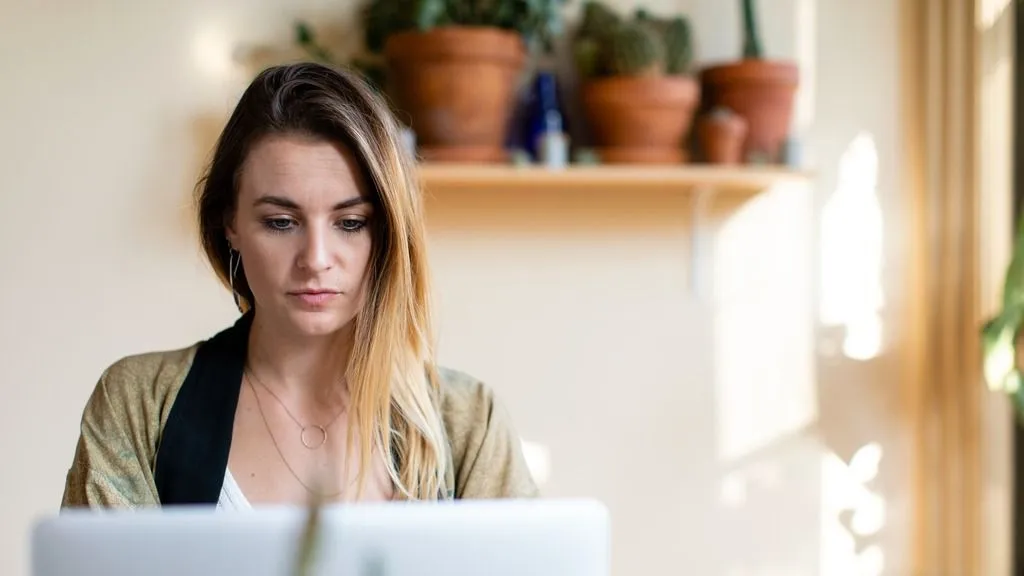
point(720, 432)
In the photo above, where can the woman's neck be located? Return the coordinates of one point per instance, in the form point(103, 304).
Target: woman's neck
point(310, 366)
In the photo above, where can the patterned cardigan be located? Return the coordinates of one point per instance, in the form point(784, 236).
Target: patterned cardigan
point(157, 428)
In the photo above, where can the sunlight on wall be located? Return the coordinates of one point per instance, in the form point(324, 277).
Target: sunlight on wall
point(538, 460)
point(763, 328)
point(852, 514)
point(213, 52)
point(996, 94)
point(991, 11)
point(852, 252)
point(806, 53)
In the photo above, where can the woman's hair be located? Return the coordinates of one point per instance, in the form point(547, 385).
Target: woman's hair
point(392, 377)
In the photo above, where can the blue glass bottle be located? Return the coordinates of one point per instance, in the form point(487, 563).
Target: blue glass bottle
point(545, 113)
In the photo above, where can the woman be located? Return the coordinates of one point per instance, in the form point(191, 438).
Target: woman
point(326, 385)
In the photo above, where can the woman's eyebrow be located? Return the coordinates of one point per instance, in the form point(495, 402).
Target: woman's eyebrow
point(283, 202)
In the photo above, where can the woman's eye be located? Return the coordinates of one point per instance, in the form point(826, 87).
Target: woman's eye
point(278, 224)
point(352, 224)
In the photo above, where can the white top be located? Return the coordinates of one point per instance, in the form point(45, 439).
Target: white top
point(231, 497)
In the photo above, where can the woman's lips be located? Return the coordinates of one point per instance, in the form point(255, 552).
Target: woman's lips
point(315, 298)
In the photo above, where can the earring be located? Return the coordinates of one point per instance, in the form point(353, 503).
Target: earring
point(234, 259)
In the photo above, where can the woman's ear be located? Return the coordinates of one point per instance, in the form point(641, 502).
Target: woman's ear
point(230, 233)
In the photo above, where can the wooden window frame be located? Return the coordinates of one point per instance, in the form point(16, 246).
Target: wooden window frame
point(957, 97)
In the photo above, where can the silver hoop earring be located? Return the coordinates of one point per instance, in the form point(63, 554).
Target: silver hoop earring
point(234, 259)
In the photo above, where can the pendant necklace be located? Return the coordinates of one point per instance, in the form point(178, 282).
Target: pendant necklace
point(312, 436)
point(312, 490)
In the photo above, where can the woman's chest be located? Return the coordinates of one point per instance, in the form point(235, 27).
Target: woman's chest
point(276, 459)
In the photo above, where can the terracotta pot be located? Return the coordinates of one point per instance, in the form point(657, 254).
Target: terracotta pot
point(762, 92)
point(721, 138)
point(641, 119)
point(457, 86)
point(666, 155)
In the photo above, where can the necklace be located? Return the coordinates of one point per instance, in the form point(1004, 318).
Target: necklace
point(263, 416)
point(306, 431)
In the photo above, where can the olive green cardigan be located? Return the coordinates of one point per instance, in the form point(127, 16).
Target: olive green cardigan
point(157, 431)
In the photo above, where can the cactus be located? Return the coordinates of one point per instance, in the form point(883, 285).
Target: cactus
point(587, 53)
point(751, 38)
point(598, 21)
point(605, 44)
point(539, 22)
point(678, 46)
point(430, 13)
point(635, 49)
point(677, 37)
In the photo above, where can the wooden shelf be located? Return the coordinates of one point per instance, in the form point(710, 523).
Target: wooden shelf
point(704, 183)
point(724, 180)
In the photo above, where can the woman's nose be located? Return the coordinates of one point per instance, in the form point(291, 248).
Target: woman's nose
point(316, 251)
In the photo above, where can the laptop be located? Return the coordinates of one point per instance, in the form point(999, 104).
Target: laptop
point(539, 537)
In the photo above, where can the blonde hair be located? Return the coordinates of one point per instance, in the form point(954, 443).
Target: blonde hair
point(393, 380)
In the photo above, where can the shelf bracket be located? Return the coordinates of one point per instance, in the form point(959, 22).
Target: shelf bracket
point(701, 232)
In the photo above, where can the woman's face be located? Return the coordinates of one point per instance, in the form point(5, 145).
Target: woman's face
point(302, 228)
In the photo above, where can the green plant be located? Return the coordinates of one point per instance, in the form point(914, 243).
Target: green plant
point(677, 36)
point(598, 20)
point(539, 22)
point(635, 49)
point(606, 44)
point(752, 48)
point(678, 46)
point(371, 68)
point(309, 540)
point(999, 334)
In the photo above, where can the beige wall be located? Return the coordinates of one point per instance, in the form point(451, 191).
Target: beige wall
point(719, 430)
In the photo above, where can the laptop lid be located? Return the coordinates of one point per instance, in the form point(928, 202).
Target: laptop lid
point(454, 538)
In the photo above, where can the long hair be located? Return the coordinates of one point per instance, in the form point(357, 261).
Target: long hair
point(392, 376)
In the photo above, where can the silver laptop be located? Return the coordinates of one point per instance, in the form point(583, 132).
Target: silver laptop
point(458, 538)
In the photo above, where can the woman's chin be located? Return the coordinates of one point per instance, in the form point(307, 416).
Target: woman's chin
point(321, 323)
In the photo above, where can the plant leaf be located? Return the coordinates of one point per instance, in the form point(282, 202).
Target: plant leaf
point(310, 538)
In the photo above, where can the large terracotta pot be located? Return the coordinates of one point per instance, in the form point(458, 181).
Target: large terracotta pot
point(457, 87)
point(762, 92)
point(641, 119)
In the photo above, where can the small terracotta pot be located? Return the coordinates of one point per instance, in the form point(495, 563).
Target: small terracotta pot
point(457, 85)
point(761, 91)
point(641, 119)
point(721, 137)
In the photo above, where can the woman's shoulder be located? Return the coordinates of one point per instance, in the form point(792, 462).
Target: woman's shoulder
point(147, 377)
point(120, 424)
point(134, 394)
point(468, 404)
point(486, 447)
point(462, 395)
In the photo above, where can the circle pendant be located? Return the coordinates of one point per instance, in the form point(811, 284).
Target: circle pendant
point(313, 436)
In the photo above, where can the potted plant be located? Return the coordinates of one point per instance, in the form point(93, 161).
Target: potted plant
point(1001, 337)
point(452, 67)
point(307, 40)
point(637, 90)
point(759, 89)
point(721, 134)
point(371, 69)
